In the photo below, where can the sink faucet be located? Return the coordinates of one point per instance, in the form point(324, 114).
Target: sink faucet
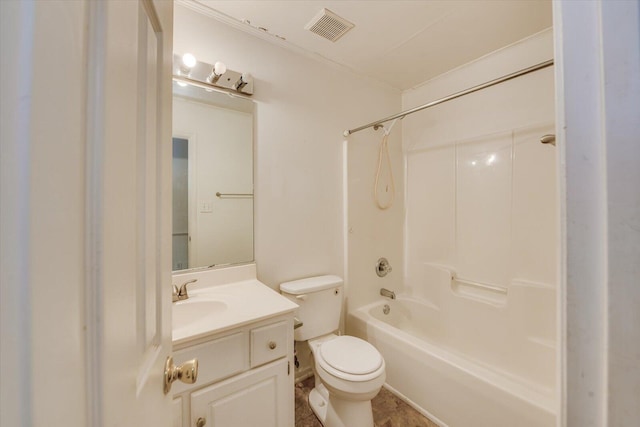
point(387, 293)
point(180, 294)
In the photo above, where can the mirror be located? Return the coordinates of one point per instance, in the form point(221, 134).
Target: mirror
point(212, 178)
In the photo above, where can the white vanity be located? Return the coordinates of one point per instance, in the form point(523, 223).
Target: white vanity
point(241, 332)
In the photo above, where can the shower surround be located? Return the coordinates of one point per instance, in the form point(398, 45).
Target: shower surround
point(475, 320)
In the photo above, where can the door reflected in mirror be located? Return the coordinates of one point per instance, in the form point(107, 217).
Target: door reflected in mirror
point(212, 179)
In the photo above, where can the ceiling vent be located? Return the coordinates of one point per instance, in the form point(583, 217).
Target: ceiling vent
point(329, 25)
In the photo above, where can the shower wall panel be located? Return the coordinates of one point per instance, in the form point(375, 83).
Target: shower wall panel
point(535, 214)
point(483, 202)
point(485, 209)
point(481, 188)
point(430, 226)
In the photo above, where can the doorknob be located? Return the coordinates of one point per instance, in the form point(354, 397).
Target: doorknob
point(187, 372)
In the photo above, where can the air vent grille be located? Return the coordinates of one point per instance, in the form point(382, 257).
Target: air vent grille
point(329, 25)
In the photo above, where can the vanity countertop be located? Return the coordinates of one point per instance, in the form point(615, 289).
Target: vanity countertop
point(214, 309)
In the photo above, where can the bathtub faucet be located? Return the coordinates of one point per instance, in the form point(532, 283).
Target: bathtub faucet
point(387, 293)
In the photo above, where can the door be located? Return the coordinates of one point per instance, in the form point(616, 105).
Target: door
point(129, 211)
point(85, 190)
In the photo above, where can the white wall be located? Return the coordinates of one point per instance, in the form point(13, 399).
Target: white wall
point(302, 108)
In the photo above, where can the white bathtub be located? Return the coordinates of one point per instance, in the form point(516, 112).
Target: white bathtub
point(462, 372)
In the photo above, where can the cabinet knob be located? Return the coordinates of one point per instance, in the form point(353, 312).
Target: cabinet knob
point(272, 345)
point(201, 422)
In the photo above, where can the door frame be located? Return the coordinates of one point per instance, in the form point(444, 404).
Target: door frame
point(192, 193)
point(597, 46)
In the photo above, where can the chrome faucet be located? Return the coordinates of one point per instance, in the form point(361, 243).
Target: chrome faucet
point(180, 294)
point(387, 293)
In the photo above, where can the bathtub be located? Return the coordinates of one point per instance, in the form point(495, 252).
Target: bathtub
point(463, 372)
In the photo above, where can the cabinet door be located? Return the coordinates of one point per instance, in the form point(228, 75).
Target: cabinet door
point(260, 397)
point(177, 412)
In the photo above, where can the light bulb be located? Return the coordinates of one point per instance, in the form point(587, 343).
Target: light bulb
point(244, 80)
point(188, 60)
point(219, 68)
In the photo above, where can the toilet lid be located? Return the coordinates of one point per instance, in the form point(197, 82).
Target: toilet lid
point(351, 355)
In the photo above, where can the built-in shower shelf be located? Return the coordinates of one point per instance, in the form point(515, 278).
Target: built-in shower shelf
point(484, 292)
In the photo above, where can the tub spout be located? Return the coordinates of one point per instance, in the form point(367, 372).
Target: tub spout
point(387, 293)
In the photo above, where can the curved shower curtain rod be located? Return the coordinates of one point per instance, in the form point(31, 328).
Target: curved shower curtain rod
point(493, 82)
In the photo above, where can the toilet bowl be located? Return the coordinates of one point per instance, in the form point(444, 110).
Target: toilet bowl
point(352, 364)
point(349, 371)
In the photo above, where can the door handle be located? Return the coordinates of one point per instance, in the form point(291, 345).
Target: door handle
point(187, 372)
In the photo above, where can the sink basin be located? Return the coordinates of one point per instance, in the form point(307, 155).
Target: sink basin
point(212, 309)
point(193, 311)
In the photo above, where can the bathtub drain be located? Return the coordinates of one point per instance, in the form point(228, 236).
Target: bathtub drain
point(386, 309)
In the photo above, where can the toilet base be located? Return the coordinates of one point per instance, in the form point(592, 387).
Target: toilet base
point(335, 412)
point(348, 413)
point(319, 403)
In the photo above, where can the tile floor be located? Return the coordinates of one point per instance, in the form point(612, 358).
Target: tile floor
point(388, 410)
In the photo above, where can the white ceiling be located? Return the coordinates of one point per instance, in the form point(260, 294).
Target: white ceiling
point(401, 43)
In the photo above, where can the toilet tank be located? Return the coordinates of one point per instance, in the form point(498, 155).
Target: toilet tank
point(320, 301)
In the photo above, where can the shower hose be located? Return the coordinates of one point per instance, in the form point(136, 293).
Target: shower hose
point(383, 152)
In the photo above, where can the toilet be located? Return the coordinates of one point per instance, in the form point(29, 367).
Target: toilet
point(349, 371)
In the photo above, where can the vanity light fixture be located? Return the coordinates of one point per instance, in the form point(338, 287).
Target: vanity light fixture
point(216, 72)
point(217, 77)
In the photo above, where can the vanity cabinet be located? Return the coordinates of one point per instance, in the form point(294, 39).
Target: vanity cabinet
point(245, 377)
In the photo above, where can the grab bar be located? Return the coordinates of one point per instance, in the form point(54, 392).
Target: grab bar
point(234, 195)
point(494, 288)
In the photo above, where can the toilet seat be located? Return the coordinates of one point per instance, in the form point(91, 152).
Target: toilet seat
point(350, 358)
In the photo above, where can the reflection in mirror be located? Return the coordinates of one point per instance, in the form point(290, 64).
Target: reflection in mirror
point(212, 178)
